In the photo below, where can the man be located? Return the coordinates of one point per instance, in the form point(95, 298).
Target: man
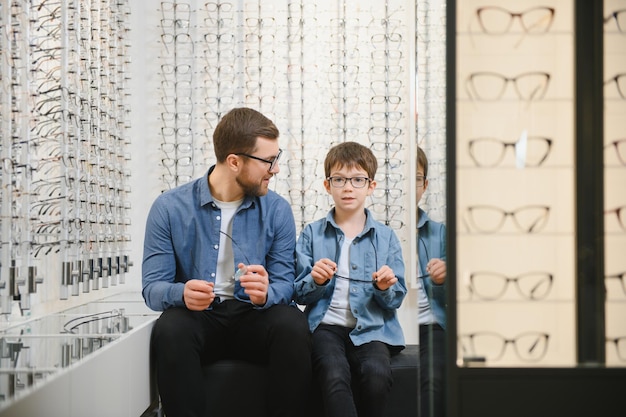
point(219, 262)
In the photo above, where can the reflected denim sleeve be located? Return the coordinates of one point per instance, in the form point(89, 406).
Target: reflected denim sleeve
point(438, 292)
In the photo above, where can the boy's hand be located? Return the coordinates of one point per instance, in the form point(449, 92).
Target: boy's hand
point(437, 270)
point(323, 270)
point(384, 278)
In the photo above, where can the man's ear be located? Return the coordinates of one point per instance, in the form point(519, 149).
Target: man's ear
point(234, 162)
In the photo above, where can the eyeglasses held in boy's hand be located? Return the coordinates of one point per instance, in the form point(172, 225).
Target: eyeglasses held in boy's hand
point(272, 162)
point(371, 281)
point(357, 182)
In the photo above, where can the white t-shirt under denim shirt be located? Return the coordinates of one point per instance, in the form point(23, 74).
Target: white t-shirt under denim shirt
point(339, 312)
point(425, 314)
point(225, 277)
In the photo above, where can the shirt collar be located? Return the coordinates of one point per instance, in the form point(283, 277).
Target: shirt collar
point(370, 223)
point(422, 218)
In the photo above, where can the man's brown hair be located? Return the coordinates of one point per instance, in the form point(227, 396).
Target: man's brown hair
point(238, 131)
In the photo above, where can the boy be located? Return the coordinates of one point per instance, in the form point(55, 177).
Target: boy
point(350, 277)
point(431, 250)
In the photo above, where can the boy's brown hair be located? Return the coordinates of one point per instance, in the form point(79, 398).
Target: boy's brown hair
point(422, 160)
point(351, 155)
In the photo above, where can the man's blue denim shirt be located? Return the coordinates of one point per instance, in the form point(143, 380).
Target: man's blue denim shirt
point(432, 235)
point(182, 243)
point(375, 246)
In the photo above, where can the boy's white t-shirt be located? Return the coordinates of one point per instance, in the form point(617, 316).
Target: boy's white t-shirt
point(339, 312)
point(225, 274)
point(425, 314)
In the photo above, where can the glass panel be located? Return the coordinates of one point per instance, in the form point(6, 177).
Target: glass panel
point(430, 180)
point(515, 176)
point(614, 179)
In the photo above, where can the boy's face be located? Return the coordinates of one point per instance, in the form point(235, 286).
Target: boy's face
point(419, 188)
point(349, 197)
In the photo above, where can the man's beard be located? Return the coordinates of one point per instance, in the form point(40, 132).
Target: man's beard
point(251, 188)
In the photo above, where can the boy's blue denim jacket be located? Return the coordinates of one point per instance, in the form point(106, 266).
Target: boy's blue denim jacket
point(182, 242)
point(374, 310)
point(431, 243)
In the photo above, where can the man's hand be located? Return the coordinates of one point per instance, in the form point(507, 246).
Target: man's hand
point(255, 283)
point(198, 294)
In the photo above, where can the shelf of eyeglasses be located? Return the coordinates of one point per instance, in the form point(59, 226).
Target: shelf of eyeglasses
point(28, 359)
point(33, 350)
point(119, 313)
point(91, 325)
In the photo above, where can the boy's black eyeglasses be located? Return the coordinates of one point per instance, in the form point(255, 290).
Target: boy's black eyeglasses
point(272, 162)
point(357, 182)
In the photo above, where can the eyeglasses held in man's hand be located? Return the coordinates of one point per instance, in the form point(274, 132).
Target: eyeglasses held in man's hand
point(273, 162)
point(357, 182)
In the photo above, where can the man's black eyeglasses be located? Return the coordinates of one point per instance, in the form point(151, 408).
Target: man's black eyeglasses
point(272, 162)
point(357, 182)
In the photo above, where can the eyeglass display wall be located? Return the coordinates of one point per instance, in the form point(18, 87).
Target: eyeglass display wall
point(64, 119)
point(431, 103)
point(515, 198)
point(325, 72)
point(516, 194)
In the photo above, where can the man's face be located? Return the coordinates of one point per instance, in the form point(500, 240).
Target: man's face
point(254, 178)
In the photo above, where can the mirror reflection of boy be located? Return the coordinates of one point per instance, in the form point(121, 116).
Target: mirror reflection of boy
point(431, 251)
point(350, 277)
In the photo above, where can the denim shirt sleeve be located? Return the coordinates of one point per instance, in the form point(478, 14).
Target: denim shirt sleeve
point(160, 290)
point(392, 298)
point(306, 290)
point(280, 257)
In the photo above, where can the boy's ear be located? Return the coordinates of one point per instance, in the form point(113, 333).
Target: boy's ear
point(327, 186)
point(371, 187)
